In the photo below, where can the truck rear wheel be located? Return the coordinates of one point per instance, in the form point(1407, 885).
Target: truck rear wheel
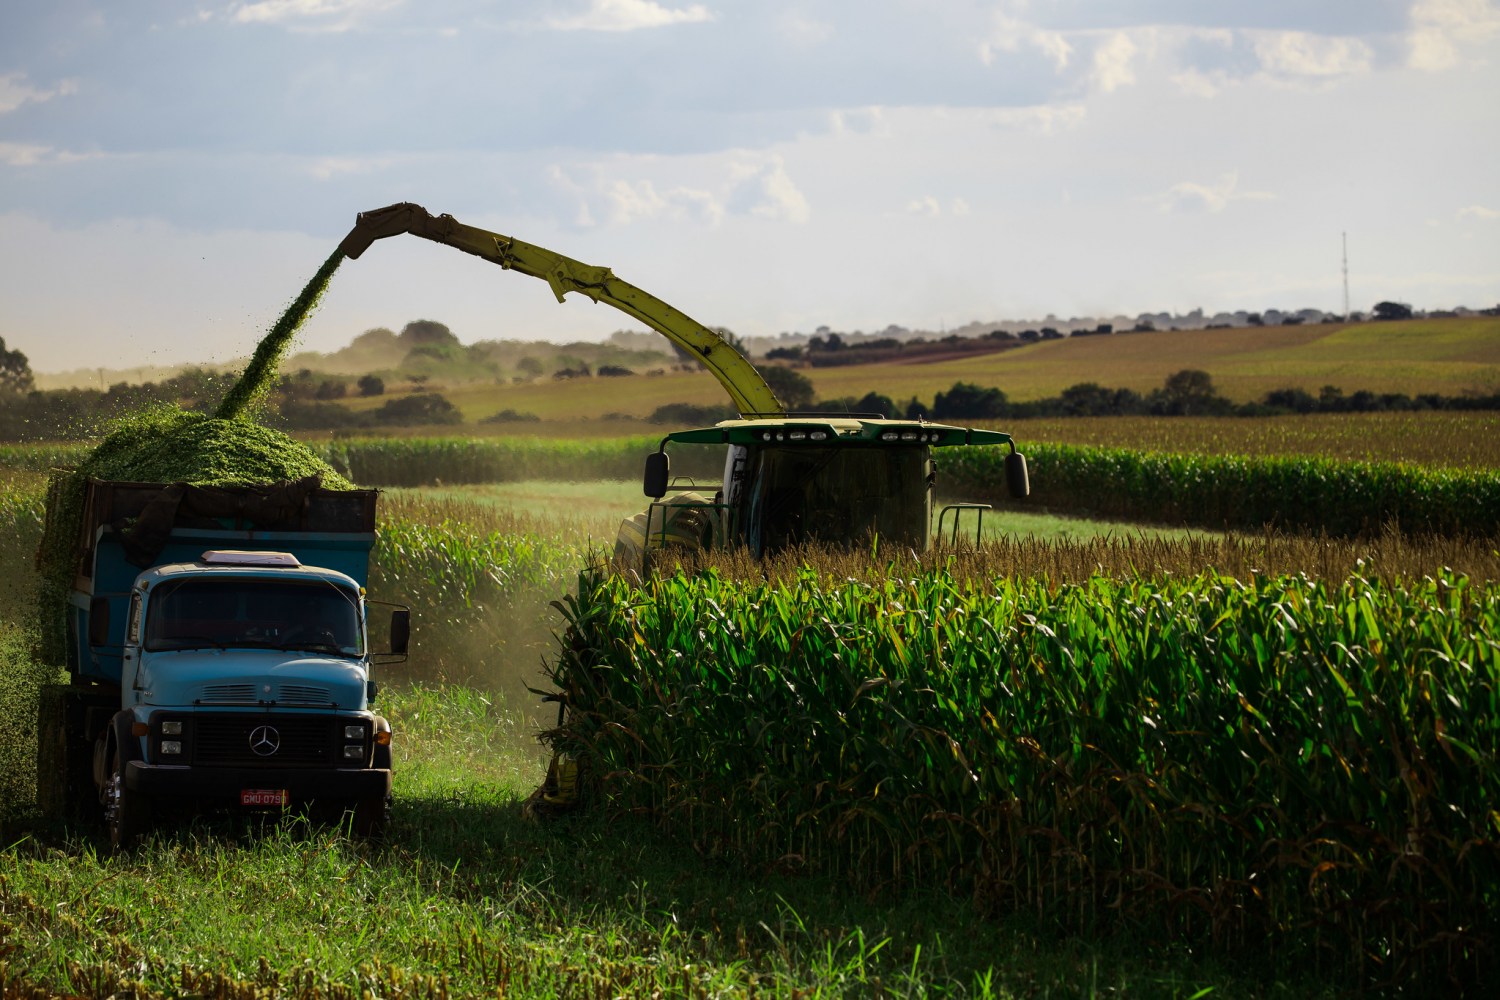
point(65, 757)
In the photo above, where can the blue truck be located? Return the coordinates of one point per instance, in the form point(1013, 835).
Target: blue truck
point(218, 652)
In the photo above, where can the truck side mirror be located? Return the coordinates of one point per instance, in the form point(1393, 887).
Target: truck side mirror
point(1016, 479)
point(658, 469)
point(400, 631)
point(99, 621)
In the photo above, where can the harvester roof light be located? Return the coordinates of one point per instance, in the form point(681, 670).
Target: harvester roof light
point(890, 436)
point(909, 435)
point(780, 436)
point(819, 435)
point(766, 436)
point(798, 435)
point(241, 557)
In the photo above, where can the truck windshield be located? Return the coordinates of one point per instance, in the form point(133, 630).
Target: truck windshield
point(264, 614)
point(837, 496)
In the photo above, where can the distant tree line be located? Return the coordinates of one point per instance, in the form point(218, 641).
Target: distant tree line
point(1189, 392)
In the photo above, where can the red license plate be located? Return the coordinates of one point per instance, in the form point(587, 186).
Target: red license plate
point(264, 797)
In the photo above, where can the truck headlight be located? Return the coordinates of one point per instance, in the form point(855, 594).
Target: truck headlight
point(355, 752)
point(171, 729)
point(354, 732)
point(171, 746)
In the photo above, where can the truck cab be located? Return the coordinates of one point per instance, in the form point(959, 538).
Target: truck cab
point(227, 663)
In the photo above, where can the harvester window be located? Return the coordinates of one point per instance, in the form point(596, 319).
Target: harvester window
point(838, 496)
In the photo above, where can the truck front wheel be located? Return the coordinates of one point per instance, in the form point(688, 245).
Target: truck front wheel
point(127, 813)
point(370, 817)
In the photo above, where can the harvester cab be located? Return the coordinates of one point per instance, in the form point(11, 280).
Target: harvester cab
point(822, 479)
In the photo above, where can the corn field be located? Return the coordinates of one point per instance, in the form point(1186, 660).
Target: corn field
point(1281, 766)
point(1243, 492)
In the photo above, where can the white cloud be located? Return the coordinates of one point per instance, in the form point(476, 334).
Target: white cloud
point(1009, 33)
point(1044, 118)
point(19, 154)
point(927, 206)
point(1296, 53)
point(638, 201)
point(802, 30)
point(1112, 60)
point(768, 191)
point(328, 167)
point(1479, 212)
point(630, 15)
point(309, 15)
point(15, 91)
point(1441, 27)
point(1196, 83)
point(859, 121)
point(1208, 197)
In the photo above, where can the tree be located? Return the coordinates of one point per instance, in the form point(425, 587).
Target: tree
point(1392, 310)
point(15, 372)
point(371, 385)
point(966, 401)
point(426, 331)
point(1190, 391)
point(425, 408)
point(1087, 399)
point(794, 389)
point(874, 402)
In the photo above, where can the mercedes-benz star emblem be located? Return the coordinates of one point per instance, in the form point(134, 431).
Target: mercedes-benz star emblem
point(265, 740)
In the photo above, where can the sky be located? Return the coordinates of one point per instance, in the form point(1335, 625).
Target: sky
point(173, 171)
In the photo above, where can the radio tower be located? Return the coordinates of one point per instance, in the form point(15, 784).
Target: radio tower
point(1346, 276)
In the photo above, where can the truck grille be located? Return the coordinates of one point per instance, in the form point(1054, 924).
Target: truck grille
point(269, 741)
point(228, 694)
point(304, 694)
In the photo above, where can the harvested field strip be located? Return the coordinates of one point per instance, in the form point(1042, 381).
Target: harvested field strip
point(1300, 769)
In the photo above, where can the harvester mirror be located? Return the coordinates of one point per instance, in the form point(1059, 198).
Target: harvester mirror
point(400, 631)
point(658, 469)
point(1016, 479)
point(99, 621)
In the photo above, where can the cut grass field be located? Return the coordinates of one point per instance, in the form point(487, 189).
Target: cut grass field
point(1446, 356)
